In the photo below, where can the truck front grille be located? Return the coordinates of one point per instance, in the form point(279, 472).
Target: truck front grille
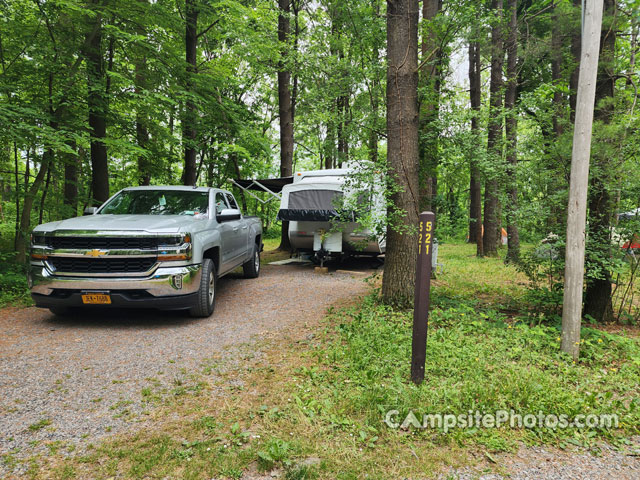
point(107, 243)
point(102, 265)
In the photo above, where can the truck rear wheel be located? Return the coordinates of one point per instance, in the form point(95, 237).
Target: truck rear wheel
point(251, 269)
point(206, 298)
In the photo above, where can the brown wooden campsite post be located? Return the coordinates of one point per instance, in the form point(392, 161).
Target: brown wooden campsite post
point(422, 294)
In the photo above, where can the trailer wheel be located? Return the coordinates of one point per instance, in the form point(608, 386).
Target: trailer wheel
point(251, 269)
point(206, 298)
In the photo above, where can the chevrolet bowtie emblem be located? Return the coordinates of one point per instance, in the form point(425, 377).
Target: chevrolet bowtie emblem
point(96, 253)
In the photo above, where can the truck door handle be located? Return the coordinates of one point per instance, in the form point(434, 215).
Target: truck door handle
point(235, 229)
point(244, 227)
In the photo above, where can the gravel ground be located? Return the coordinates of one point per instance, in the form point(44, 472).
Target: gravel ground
point(544, 463)
point(80, 378)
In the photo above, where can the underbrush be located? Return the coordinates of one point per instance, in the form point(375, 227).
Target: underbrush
point(13, 282)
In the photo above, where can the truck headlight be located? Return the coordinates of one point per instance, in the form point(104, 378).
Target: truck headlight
point(174, 248)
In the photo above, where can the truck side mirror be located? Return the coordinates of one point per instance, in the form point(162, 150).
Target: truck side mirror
point(90, 210)
point(228, 214)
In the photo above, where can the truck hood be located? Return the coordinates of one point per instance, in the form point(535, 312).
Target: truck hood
point(147, 223)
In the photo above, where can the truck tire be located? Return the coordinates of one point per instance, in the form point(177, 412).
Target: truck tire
point(251, 269)
point(206, 298)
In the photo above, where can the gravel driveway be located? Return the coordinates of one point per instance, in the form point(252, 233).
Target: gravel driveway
point(79, 378)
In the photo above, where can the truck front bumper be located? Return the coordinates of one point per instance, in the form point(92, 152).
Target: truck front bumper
point(168, 288)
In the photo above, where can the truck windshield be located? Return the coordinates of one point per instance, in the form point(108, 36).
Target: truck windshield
point(157, 202)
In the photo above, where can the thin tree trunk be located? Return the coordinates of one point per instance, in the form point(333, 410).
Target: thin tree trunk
point(511, 132)
point(142, 133)
point(403, 156)
point(43, 197)
point(17, 182)
point(430, 82)
point(98, 108)
point(475, 182)
point(556, 72)
point(25, 218)
point(70, 194)
point(189, 132)
point(140, 87)
point(576, 45)
point(598, 302)
point(284, 106)
point(494, 135)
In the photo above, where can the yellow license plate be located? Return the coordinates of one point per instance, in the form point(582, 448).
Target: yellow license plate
point(96, 299)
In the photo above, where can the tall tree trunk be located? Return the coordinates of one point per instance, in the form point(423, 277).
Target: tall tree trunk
point(430, 82)
point(189, 131)
point(372, 143)
point(25, 217)
point(556, 71)
point(576, 43)
point(494, 135)
point(70, 192)
point(140, 87)
point(17, 185)
point(43, 197)
point(598, 302)
point(403, 156)
point(343, 142)
point(98, 109)
point(475, 182)
point(511, 132)
point(142, 133)
point(284, 106)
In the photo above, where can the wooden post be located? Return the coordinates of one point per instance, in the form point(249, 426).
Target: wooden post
point(422, 293)
point(577, 210)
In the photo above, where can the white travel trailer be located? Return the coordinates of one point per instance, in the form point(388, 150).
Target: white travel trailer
point(317, 206)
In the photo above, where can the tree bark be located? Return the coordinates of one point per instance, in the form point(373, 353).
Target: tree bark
point(142, 132)
point(598, 302)
point(25, 217)
point(556, 72)
point(475, 182)
point(494, 135)
point(284, 106)
point(189, 131)
point(98, 109)
point(577, 205)
point(403, 156)
point(511, 132)
point(17, 185)
point(576, 46)
point(70, 192)
point(430, 82)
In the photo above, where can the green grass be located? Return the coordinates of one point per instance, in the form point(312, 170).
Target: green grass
point(40, 424)
point(324, 398)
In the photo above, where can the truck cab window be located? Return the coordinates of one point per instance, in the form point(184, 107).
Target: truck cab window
point(221, 204)
point(231, 201)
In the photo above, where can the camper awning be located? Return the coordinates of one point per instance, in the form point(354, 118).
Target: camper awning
point(273, 184)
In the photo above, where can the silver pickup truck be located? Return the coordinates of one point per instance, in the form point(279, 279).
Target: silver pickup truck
point(152, 247)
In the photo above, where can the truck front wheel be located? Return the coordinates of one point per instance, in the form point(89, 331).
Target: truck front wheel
point(206, 298)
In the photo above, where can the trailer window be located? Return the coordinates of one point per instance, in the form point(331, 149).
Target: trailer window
point(315, 200)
